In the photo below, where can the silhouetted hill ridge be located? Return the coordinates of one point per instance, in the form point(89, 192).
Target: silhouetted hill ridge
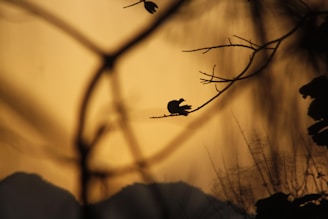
point(25, 196)
point(181, 201)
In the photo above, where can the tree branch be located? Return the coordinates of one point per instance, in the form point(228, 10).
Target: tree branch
point(271, 46)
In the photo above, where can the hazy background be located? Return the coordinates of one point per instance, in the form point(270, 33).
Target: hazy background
point(44, 72)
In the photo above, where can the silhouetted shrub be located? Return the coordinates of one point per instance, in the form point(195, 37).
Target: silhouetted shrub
point(317, 89)
point(278, 206)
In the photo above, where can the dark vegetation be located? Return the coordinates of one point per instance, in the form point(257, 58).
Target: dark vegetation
point(315, 205)
point(306, 207)
point(25, 195)
point(317, 89)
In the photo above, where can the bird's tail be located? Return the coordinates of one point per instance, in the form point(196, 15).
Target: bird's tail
point(184, 110)
point(186, 107)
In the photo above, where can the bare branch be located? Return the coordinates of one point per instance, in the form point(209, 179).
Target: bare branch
point(207, 49)
point(272, 46)
point(248, 41)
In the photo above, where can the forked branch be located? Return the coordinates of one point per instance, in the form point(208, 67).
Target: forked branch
point(270, 48)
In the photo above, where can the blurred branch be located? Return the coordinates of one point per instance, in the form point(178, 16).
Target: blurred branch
point(170, 148)
point(57, 22)
point(109, 60)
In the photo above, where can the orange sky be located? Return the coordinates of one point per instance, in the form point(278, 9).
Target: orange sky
point(44, 73)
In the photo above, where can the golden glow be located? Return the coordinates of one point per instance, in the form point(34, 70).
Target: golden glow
point(44, 73)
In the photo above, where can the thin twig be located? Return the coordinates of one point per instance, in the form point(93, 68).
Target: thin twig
point(134, 4)
point(271, 45)
point(253, 156)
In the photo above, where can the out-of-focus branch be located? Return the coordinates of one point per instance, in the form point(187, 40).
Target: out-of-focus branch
point(109, 60)
point(57, 22)
point(170, 148)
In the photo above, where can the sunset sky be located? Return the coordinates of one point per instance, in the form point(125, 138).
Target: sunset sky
point(44, 73)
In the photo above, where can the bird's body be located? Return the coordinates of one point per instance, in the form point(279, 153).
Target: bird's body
point(175, 108)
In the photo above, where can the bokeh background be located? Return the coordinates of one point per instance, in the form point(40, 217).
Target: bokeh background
point(250, 142)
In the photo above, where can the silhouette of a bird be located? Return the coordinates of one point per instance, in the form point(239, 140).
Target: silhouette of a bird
point(174, 107)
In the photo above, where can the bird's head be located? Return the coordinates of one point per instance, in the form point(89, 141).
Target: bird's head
point(181, 100)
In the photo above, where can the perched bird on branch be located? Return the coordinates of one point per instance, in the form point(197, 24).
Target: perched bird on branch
point(174, 107)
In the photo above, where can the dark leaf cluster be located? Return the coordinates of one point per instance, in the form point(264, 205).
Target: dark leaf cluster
point(317, 89)
point(279, 206)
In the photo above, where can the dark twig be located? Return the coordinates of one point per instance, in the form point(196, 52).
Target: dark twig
point(272, 46)
point(218, 175)
point(260, 171)
point(134, 4)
